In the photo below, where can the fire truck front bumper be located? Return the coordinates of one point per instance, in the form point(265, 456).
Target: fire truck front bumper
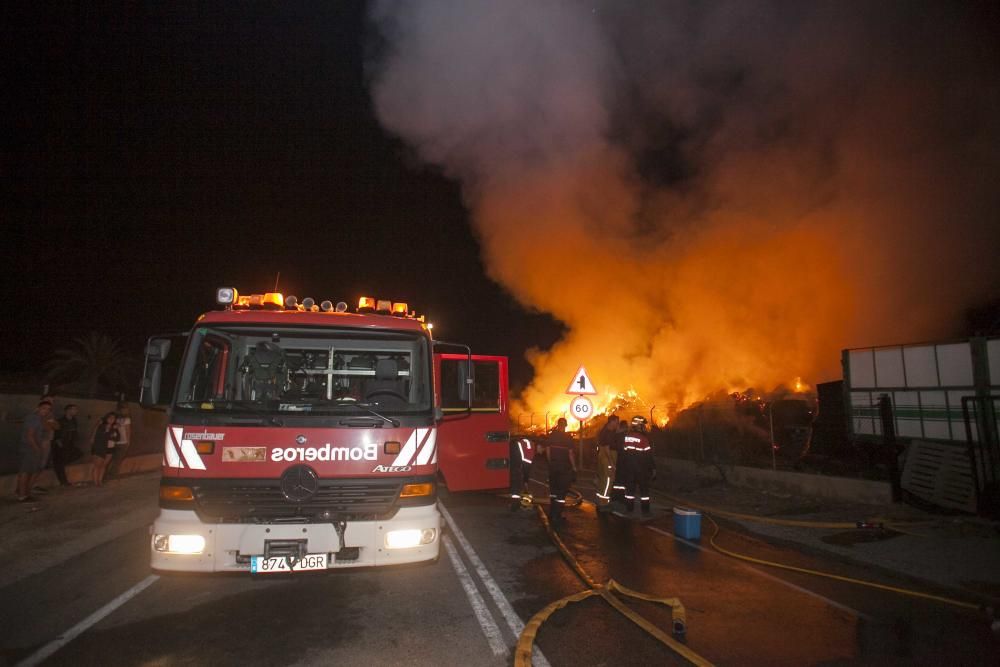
point(181, 542)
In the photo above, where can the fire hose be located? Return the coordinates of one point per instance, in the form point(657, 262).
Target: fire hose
point(522, 653)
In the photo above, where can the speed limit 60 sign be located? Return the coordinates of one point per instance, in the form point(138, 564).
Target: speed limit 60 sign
point(581, 408)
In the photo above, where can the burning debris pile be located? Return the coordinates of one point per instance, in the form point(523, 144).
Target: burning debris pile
point(710, 195)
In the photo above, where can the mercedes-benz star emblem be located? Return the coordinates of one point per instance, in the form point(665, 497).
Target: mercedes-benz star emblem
point(301, 439)
point(299, 483)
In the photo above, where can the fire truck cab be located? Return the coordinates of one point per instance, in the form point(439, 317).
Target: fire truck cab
point(301, 436)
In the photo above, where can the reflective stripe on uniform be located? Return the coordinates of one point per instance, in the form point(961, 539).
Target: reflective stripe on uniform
point(523, 444)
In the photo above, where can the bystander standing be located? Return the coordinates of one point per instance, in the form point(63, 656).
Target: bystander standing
point(64, 450)
point(105, 439)
point(31, 450)
point(124, 425)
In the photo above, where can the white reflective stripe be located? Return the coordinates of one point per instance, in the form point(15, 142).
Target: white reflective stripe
point(170, 448)
point(521, 444)
point(628, 497)
point(643, 497)
point(191, 455)
point(600, 495)
point(606, 483)
point(406, 454)
point(424, 457)
point(515, 495)
point(558, 500)
point(619, 487)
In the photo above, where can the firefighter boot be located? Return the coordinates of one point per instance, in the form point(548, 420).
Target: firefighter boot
point(645, 506)
point(555, 513)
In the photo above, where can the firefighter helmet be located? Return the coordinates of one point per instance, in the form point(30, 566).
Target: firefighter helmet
point(638, 423)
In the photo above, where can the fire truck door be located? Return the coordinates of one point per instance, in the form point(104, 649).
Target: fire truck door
point(472, 445)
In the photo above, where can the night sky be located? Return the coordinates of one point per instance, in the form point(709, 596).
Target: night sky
point(153, 153)
point(692, 195)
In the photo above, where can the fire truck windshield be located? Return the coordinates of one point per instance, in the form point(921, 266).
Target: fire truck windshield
point(240, 369)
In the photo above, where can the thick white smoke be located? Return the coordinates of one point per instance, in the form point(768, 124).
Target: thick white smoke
point(709, 195)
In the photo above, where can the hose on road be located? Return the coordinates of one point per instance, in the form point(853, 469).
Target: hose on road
point(708, 511)
point(837, 577)
point(522, 653)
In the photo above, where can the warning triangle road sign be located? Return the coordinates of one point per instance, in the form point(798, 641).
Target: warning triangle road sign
point(581, 383)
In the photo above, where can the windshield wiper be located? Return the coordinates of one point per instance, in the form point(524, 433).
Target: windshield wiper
point(365, 407)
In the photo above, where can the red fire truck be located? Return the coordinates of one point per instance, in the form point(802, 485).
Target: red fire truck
point(301, 436)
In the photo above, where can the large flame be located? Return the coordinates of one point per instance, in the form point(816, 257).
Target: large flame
point(708, 206)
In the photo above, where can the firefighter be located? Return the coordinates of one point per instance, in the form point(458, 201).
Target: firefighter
point(639, 464)
point(522, 453)
point(618, 486)
point(562, 469)
point(607, 458)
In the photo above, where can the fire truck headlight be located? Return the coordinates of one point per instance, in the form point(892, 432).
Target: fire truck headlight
point(179, 544)
point(409, 538)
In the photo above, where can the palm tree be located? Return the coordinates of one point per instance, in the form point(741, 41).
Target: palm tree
point(93, 360)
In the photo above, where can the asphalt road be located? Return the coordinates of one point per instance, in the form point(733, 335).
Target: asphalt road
point(497, 570)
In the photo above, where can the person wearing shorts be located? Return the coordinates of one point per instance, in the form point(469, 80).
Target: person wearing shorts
point(103, 448)
point(32, 450)
point(124, 425)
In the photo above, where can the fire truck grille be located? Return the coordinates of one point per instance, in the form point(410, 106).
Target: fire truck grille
point(262, 501)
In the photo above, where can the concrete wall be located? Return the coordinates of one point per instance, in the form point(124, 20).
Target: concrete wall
point(148, 426)
point(81, 472)
point(817, 486)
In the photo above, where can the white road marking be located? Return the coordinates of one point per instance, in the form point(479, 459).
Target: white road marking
point(486, 622)
point(514, 621)
point(766, 575)
point(46, 651)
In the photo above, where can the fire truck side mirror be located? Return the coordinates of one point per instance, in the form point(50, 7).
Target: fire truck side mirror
point(157, 350)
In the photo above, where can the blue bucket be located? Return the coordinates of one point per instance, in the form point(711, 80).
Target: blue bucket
point(687, 523)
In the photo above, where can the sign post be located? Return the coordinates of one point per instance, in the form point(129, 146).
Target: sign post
point(581, 407)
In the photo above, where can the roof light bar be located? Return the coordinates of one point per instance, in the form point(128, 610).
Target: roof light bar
point(399, 309)
point(366, 304)
point(384, 307)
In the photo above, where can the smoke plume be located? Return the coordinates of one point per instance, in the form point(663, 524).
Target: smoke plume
point(710, 195)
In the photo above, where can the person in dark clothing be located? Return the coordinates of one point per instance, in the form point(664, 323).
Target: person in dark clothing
point(562, 469)
point(522, 453)
point(639, 465)
point(64, 443)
